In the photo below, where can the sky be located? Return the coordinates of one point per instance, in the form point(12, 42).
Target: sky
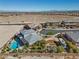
point(38, 5)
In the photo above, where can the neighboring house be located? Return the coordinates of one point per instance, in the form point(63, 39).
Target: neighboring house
point(74, 37)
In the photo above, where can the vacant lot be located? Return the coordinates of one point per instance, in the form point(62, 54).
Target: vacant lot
point(36, 18)
point(7, 31)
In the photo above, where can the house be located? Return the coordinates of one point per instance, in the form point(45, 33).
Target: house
point(26, 35)
point(74, 36)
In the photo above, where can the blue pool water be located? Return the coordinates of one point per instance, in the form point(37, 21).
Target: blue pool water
point(14, 45)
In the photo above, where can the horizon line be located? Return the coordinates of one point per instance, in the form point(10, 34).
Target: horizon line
point(34, 10)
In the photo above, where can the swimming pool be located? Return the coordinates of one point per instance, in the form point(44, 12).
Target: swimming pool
point(14, 45)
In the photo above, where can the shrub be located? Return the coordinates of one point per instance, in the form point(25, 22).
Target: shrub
point(26, 46)
point(70, 45)
point(4, 50)
point(38, 46)
point(76, 50)
point(60, 49)
point(72, 48)
point(14, 51)
point(50, 33)
point(54, 49)
point(20, 51)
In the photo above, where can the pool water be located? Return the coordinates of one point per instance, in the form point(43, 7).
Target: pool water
point(14, 45)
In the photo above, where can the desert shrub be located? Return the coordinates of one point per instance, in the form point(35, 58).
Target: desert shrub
point(72, 48)
point(38, 46)
point(54, 49)
point(50, 33)
point(26, 46)
point(60, 49)
point(4, 50)
point(14, 51)
point(20, 50)
point(76, 50)
point(70, 45)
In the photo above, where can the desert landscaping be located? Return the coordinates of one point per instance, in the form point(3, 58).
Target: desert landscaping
point(13, 23)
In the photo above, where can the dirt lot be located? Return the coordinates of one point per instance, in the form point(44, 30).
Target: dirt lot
point(36, 18)
point(7, 31)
